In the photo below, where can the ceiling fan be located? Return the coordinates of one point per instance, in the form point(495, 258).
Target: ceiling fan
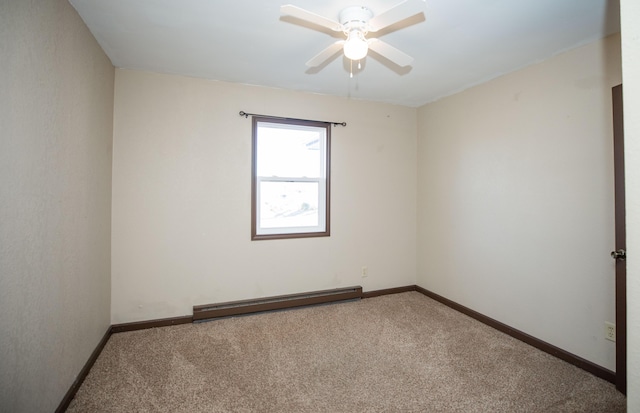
point(356, 22)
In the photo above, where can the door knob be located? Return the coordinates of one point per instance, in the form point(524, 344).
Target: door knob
point(620, 254)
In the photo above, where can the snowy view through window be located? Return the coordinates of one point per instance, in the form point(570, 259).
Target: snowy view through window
point(290, 178)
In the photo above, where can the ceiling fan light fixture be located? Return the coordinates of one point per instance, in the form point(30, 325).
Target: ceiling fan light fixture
point(356, 22)
point(356, 46)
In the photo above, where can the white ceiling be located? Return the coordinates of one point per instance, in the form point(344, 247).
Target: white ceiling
point(459, 43)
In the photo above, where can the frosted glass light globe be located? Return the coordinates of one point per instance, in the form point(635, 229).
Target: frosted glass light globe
point(356, 47)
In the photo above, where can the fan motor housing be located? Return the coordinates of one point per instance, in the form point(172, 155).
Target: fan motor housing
point(355, 17)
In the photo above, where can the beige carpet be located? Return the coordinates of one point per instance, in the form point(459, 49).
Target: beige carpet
point(396, 353)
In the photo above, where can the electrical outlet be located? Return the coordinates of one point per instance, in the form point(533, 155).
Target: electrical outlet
point(365, 272)
point(610, 331)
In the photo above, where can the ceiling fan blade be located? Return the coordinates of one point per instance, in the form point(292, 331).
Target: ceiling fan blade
point(322, 57)
point(390, 52)
point(399, 12)
point(297, 12)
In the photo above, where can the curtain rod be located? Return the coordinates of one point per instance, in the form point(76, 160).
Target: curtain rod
point(246, 115)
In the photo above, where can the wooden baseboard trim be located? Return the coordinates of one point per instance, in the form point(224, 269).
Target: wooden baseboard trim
point(577, 361)
point(233, 308)
point(68, 397)
point(387, 291)
point(143, 325)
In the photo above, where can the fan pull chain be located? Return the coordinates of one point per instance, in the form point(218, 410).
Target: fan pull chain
point(351, 67)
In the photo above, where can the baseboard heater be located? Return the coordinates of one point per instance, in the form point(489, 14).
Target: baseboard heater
point(231, 308)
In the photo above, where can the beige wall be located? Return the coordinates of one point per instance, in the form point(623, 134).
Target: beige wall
point(56, 106)
point(630, 12)
point(515, 199)
point(181, 197)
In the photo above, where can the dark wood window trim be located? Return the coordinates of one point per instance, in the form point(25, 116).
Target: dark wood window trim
point(254, 136)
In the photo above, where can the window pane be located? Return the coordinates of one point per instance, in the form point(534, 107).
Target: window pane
point(290, 152)
point(288, 204)
point(290, 178)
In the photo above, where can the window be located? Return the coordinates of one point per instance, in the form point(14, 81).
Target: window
point(290, 178)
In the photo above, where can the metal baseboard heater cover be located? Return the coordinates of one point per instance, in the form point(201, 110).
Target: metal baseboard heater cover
point(231, 308)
